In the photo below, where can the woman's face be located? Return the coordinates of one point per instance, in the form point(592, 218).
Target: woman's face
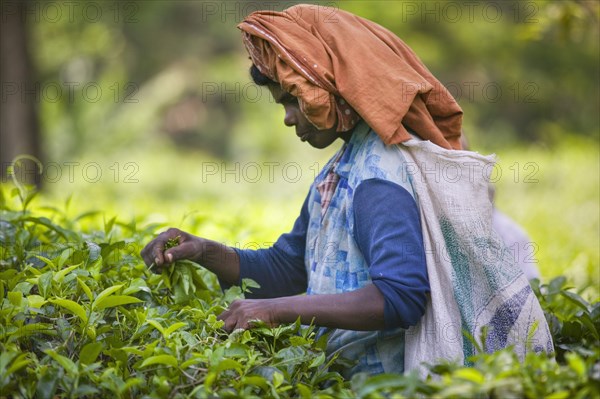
point(305, 130)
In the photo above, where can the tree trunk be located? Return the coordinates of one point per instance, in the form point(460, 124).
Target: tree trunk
point(20, 97)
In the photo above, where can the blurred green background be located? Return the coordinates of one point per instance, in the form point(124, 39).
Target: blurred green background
point(146, 110)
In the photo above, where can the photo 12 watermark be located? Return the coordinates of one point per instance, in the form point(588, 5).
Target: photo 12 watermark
point(468, 11)
point(71, 11)
point(235, 11)
point(69, 92)
point(26, 168)
point(521, 92)
point(293, 172)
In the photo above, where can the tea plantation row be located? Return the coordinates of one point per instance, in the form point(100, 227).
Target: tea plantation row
point(82, 316)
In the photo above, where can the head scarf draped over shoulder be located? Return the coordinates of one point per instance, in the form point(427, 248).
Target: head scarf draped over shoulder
point(342, 68)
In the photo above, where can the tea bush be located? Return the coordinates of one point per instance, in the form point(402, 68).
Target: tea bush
point(82, 316)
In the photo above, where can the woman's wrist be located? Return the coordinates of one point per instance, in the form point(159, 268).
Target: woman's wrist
point(280, 310)
point(219, 259)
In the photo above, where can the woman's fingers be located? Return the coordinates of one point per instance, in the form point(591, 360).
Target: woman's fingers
point(185, 250)
point(242, 313)
point(154, 251)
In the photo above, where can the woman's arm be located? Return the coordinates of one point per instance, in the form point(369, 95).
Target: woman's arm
point(216, 257)
point(388, 233)
point(360, 310)
point(279, 269)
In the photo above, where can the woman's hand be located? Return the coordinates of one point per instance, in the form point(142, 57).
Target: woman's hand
point(216, 257)
point(360, 310)
point(241, 313)
point(189, 247)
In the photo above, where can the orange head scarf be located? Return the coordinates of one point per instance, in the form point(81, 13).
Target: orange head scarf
point(343, 67)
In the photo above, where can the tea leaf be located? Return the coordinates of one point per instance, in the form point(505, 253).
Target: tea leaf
point(85, 289)
point(105, 293)
point(45, 283)
point(35, 301)
point(167, 360)
point(228, 364)
point(72, 307)
point(60, 275)
point(469, 374)
point(18, 363)
point(116, 300)
point(157, 325)
point(317, 361)
point(15, 298)
point(174, 328)
point(90, 352)
point(66, 363)
point(576, 299)
point(46, 261)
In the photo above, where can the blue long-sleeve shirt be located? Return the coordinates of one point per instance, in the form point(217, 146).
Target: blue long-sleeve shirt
point(391, 243)
point(366, 231)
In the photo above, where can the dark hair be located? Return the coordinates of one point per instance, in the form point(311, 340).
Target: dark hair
point(259, 78)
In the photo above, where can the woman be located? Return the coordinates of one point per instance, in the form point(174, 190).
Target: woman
point(357, 249)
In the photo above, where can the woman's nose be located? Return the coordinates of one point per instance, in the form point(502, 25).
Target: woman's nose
point(291, 117)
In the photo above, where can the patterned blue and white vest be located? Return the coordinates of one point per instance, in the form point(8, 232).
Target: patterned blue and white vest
point(333, 260)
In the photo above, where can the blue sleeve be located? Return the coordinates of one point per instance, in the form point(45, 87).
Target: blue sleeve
point(280, 269)
point(387, 229)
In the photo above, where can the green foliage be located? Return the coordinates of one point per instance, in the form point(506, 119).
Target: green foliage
point(575, 323)
point(497, 375)
point(572, 372)
point(82, 316)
